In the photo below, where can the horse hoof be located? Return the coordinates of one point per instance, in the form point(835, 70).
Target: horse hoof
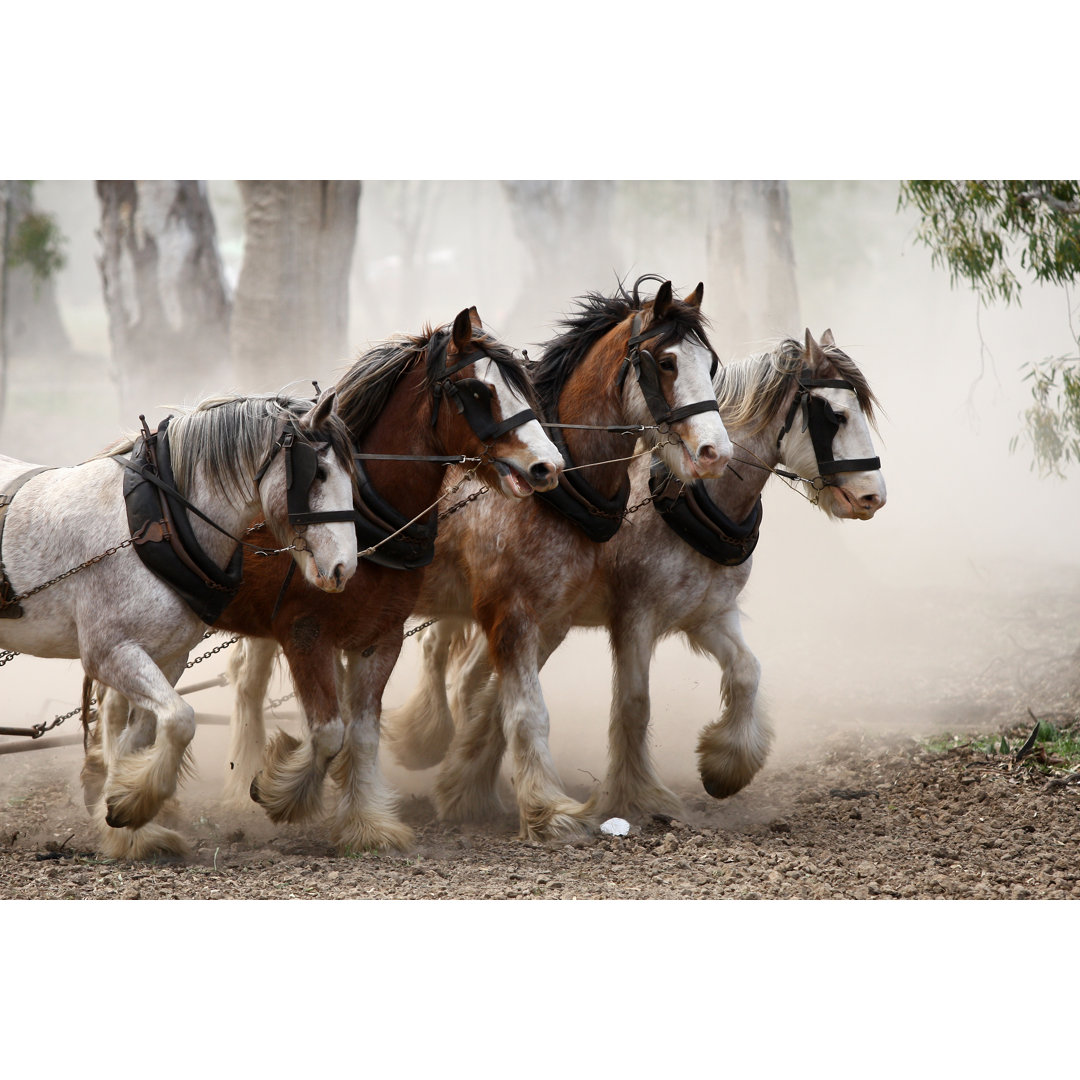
point(719, 789)
point(116, 818)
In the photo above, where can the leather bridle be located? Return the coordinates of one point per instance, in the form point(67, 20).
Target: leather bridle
point(471, 397)
point(648, 375)
point(823, 423)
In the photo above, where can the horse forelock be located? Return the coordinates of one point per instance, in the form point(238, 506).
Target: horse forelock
point(595, 316)
point(751, 392)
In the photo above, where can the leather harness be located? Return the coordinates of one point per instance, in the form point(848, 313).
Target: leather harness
point(376, 519)
point(696, 519)
point(823, 422)
point(598, 516)
point(164, 539)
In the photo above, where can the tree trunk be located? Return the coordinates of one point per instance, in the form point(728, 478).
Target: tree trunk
point(5, 218)
point(566, 227)
point(32, 314)
point(750, 293)
point(165, 292)
point(291, 317)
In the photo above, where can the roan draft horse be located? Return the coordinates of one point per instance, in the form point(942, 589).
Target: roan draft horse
point(803, 411)
point(623, 367)
point(74, 587)
point(411, 405)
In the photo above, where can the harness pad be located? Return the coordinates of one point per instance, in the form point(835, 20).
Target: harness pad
point(166, 543)
point(697, 520)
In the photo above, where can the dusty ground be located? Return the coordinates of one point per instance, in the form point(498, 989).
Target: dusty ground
point(861, 815)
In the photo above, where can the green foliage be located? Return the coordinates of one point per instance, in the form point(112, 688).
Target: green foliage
point(1052, 423)
point(977, 229)
point(974, 228)
point(38, 244)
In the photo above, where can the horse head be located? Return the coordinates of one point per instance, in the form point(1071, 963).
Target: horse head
point(307, 487)
point(826, 434)
point(491, 409)
point(667, 349)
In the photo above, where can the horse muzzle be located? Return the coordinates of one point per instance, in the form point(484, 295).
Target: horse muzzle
point(517, 483)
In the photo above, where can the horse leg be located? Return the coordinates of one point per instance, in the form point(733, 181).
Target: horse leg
point(734, 747)
point(113, 714)
point(289, 785)
point(250, 668)
point(144, 744)
point(366, 817)
point(419, 732)
point(631, 787)
point(466, 788)
point(546, 812)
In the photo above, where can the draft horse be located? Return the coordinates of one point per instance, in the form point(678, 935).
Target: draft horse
point(439, 396)
point(130, 629)
point(803, 411)
point(622, 367)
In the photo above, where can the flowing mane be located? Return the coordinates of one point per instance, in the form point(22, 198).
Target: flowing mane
point(227, 439)
point(363, 391)
point(750, 392)
point(597, 314)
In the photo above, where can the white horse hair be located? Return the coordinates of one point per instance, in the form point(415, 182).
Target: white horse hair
point(131, 631)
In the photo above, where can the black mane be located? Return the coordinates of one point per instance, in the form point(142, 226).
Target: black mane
point(596, 315)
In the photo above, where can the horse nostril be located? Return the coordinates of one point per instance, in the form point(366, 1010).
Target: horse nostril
point(708, 453)
point(541, 471)
point(872, 502)
point(339, 574)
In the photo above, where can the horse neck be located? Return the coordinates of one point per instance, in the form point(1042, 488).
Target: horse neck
point(228, 513)
point(737, 489)
point(404, 427)
point(591, 396)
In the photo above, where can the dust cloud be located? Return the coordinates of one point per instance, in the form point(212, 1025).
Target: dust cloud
point(879, 625)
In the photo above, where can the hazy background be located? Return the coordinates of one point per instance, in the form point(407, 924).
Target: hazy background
point(856, 624)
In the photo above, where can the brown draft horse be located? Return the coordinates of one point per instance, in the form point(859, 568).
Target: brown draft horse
point(522, 570)
point(456, 392)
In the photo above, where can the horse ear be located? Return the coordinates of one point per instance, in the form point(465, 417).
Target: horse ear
point(827, 340)
point(462, 332)
point(662, 301)
point(474, 318)
point(814, 355)
point(695, 298)
point(321, 410)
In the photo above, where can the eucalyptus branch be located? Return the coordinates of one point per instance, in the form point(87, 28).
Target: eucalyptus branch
point(1040, 194)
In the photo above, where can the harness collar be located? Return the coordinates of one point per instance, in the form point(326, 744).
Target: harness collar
point(692, 515)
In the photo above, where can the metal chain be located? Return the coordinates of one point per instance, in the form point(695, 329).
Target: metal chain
point(464, 502)
point(211, 652)
point(40, 729)
point(6, 657)
point(417, 629)
point(74, 570)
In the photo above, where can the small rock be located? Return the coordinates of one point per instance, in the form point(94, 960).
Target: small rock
point(615, 826)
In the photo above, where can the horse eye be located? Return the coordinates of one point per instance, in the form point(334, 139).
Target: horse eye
point(320, 473)
point(667, 364)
